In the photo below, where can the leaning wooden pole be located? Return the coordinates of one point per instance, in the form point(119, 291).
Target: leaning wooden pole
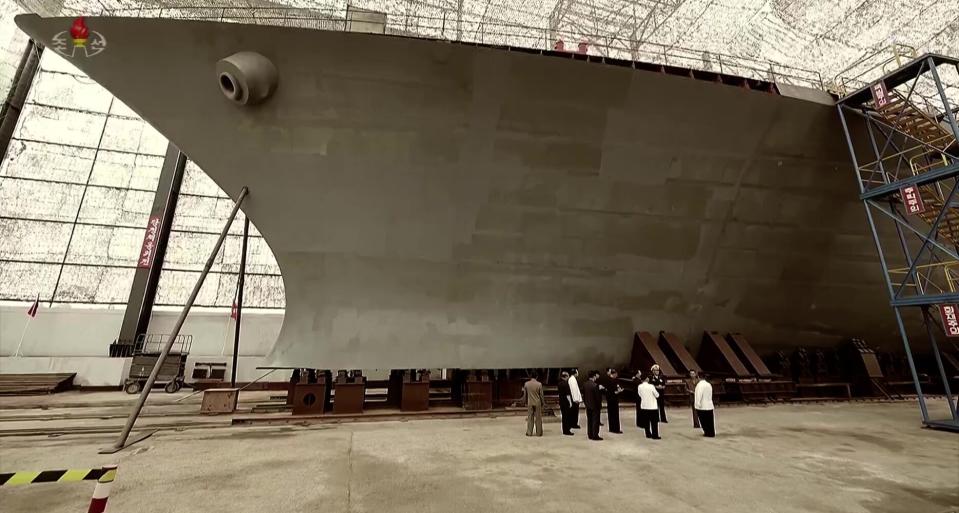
point(121, 441)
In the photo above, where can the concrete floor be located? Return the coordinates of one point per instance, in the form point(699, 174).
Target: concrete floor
point(842, 457)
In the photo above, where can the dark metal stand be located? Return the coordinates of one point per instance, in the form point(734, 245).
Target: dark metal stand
point(136, 318)
point(901, 133)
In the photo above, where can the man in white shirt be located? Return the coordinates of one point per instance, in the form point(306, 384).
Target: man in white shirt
point(577, 399)
point(648, 395)
point(703, 402)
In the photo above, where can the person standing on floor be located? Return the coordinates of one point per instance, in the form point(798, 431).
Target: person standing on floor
point(704, 406)
point(658, 381)
point(691, 390)
point(533, 393)
point(640, 419)
point(593, 398)
point(565, 403)
point(612, 401)
point(576, 398)
point(648, 395)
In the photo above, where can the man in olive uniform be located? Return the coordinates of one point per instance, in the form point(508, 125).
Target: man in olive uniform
point(533, 393)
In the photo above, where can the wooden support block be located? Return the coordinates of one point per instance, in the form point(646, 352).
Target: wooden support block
point(349, 397)
point(478, 396)
point(415, 396)
point(219, 400)
point(309, 398)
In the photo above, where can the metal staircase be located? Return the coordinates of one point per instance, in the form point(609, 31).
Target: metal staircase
point(909, 180)
point(907, 117)
point(931, 140)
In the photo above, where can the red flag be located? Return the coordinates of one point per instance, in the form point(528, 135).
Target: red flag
point(32, 311)
point(233, 310)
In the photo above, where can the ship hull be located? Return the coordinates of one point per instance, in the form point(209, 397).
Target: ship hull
point(437, 205)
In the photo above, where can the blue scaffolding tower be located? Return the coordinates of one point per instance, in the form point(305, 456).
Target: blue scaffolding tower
point(901, 131)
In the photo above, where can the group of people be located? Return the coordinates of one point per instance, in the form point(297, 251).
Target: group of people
point(650, 402)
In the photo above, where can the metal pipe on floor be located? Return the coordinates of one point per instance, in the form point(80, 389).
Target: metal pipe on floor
point(122, 439)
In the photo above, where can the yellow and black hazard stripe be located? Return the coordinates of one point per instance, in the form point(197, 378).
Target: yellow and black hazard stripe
point(55, 476)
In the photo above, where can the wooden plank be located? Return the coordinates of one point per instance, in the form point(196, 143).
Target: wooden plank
point(676, 346)
point(26, 384)
point(746, 350)
point(646, 352)
point(716, 352)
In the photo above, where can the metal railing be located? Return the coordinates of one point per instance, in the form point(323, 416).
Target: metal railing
point(883, 60)
point(448, 27)
point(867, 68)
point(935, 278)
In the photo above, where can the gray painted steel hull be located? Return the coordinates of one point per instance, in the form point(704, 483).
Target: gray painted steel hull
point(442, 205)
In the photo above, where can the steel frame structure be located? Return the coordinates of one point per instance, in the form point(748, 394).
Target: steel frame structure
point(907, 165)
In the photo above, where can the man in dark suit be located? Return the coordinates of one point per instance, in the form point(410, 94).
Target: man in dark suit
point(611, 384)
point(593, 397)
point(565, 403)
point(658, 380)
point(691, 390)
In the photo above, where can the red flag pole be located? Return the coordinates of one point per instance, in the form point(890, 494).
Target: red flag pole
point(31, 313)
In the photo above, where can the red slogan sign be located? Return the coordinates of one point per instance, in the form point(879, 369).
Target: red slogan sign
point(950, 323)
point(149, 243)
point(879, 94)
point(912, 199)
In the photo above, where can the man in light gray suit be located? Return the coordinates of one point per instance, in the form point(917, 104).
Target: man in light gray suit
point(533, 393)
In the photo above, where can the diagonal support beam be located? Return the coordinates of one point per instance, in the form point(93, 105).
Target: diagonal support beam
point(951, 252)
point(928, 177)
point(885, 268)
point(121, 441)
point(942, 371)
point(933, 232)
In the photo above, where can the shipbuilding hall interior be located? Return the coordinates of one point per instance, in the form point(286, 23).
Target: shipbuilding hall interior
point(464, 255)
